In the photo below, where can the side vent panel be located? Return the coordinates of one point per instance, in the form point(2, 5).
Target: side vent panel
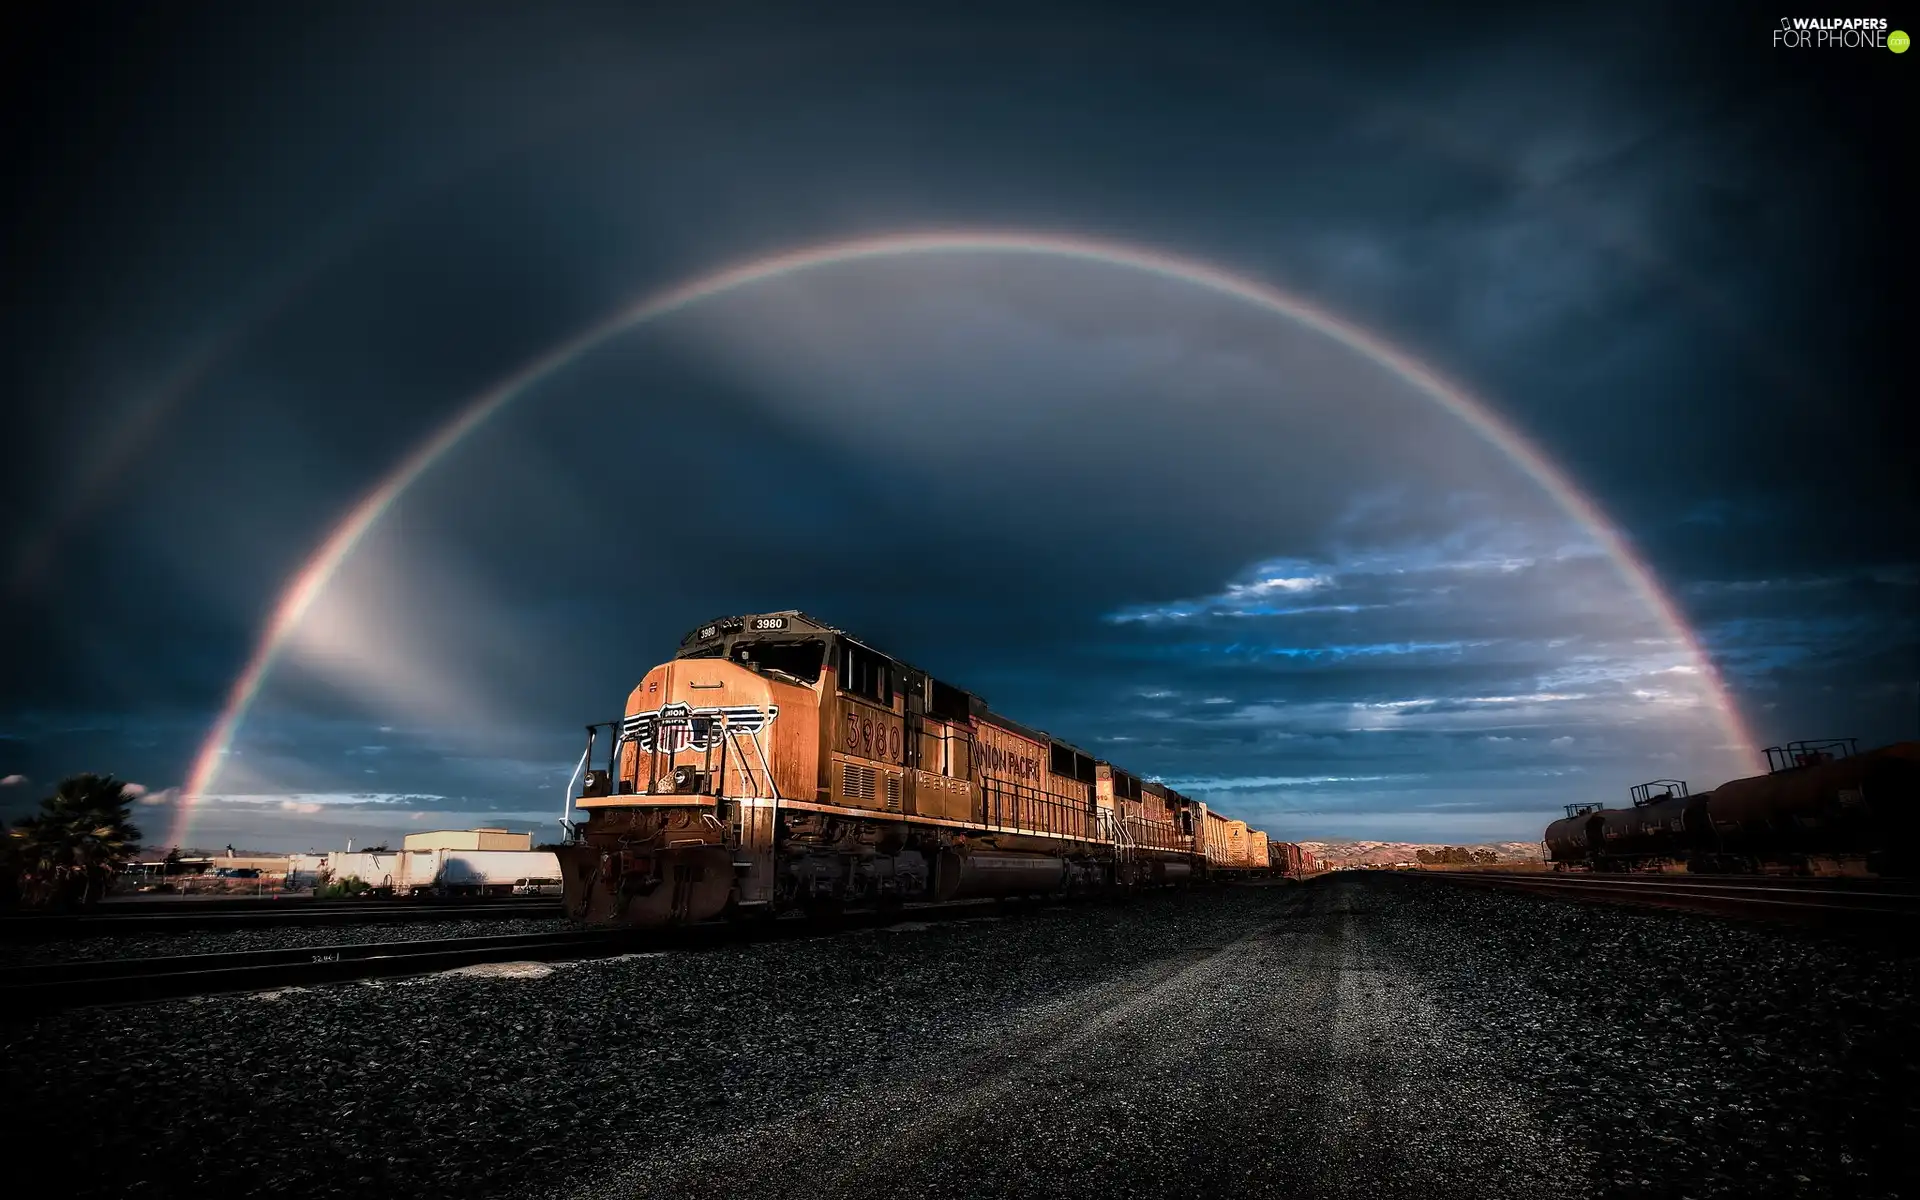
point(856, 783)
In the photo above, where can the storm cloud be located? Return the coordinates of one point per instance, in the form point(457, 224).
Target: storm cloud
point(1191, 535)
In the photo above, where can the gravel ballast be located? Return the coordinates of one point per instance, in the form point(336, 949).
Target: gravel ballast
point(1358, 1036)
point(1699, 1056)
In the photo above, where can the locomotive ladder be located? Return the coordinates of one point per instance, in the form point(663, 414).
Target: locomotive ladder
point(746, 815)
point(1117, 832)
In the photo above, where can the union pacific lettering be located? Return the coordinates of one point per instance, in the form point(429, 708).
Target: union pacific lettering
point(999, 761)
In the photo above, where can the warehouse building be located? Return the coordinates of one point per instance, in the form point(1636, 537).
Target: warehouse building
point(468, 839)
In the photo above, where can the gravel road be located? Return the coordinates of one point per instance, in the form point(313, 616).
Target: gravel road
point(1285, 1059)
point(1357, 1036)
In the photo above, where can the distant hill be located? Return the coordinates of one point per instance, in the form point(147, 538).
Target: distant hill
point(1386, 854)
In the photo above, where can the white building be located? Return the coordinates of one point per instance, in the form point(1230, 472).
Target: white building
point(440, 872)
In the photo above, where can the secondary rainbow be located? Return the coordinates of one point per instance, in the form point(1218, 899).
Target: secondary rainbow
point(313, 577)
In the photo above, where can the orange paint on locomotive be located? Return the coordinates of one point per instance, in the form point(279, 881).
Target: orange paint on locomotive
point(776, 763)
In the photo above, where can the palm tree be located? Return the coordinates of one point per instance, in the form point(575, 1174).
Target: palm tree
point(81, 837)
point(9, 870)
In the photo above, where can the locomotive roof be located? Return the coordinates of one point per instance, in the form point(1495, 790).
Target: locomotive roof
point(793, 621)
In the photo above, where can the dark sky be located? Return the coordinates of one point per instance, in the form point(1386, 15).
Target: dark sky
point(255, 255)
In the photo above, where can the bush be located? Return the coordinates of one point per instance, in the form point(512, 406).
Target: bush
point(339, 889)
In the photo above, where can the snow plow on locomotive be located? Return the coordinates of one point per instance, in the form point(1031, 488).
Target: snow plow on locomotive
point(776, 763)
point(1822, 808)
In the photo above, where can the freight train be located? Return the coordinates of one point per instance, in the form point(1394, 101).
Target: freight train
point(777, 763)
point(1823, 807)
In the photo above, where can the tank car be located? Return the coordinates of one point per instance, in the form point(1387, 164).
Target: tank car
point(1823, 807)
point(779, 763)
point(1821, 804)
point(1567, 840)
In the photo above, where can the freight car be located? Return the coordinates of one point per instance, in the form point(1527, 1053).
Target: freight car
point(778, 763)
point(1291, 861)
point(1823, 807)
point(439, 873)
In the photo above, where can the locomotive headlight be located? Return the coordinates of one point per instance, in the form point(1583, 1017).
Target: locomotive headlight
point(685, 779)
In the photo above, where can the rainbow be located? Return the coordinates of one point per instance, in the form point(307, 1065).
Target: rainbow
point(313, 577)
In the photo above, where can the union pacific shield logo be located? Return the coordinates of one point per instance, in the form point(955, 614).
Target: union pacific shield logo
point(673, 728)
point(676, 728)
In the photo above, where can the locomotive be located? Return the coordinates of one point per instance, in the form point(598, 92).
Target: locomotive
point(1823, 807)
point(777, 763)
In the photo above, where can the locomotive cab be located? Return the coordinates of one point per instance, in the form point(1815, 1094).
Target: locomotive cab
point(708, 743)
point(742, 770)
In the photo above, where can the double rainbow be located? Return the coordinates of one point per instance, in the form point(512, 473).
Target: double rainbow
point(313, 577)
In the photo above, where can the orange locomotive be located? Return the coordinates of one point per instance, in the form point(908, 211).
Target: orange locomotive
point(778, 763)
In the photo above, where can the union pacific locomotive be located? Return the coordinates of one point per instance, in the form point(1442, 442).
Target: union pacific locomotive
point(1824, 807)
point(777, 763)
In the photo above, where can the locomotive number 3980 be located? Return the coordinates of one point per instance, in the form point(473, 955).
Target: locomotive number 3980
point(872, 739)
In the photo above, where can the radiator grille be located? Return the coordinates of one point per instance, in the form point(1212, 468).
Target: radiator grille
point(893, 793)
point(856, 783)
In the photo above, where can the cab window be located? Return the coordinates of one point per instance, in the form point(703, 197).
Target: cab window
point(947, 703)
point(797, 660)
point(1068, 763)
point(864, 673)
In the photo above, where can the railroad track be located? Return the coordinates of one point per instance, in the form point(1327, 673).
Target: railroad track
point(50, 926)
point(92, 982)
point(1826, 903)
point(298, 900)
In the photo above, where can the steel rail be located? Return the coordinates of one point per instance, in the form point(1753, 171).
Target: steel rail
point(1863, 883)
point(50, 926)
point(271, 903)
point(90, 982)
point(1820, 902)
